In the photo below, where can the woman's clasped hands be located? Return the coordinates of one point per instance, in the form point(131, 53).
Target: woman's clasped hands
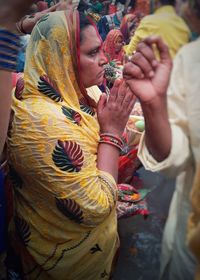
point(113, 111)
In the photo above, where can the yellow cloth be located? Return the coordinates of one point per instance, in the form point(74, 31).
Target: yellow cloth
point(165, 23)
point(184, 114)
point(194, 220)
point(64, 206)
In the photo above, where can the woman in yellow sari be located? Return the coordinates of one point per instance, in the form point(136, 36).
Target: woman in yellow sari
point(63, 161)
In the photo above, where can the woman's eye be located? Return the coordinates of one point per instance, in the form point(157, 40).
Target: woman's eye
point(94, 52)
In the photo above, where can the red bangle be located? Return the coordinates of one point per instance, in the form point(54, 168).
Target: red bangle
point(112, 136)
point(111, 139)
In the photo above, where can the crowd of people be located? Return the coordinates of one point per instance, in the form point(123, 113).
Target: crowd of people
point(72, 76)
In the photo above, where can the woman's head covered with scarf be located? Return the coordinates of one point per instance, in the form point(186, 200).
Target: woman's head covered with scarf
point(113, 45)
point(127, 21)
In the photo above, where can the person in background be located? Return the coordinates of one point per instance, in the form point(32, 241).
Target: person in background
point(171, 142)
point(128, 28)
point(96, 6)
point(165, 23)
point(113, 46)
point(109, 22)
point(127, 21)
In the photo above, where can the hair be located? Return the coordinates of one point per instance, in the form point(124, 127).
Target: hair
point(168, 2)
point(84, 23)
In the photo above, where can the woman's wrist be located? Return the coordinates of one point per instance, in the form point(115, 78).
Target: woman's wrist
point(111, 139)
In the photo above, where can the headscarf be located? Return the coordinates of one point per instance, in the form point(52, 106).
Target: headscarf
point(124, 27)
point(109, 45)
point(65, 215)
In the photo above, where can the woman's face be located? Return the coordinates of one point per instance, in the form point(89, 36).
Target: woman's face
point(92, 58)
point(119, 44)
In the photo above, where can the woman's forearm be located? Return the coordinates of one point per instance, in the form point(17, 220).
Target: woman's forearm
point(107, 159)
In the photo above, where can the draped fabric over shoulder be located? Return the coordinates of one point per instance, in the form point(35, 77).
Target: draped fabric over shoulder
point(65, 223)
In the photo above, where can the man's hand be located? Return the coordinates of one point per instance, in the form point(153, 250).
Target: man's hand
point(146, 76)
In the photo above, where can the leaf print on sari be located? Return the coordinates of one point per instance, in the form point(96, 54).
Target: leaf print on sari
point(23, 230)
point(72, 115)
point(85, 108)
point(19, 89)
point(70, 209)
point(46, 87)
point(68, 156)
point(104, 274)
point(95, 249)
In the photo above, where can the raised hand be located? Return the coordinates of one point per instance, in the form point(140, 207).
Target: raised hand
point(147, 76)
point(113, 112)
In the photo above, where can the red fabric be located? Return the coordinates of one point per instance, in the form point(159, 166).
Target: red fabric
point(128, 164)
point(112, 9)
point(109, 45)
point(127, 21)
point(15, 78)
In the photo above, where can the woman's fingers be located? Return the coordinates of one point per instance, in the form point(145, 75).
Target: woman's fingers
point(128, 97)
point(114, 91)
point(129, 100)
point(121, 93)
point(102, 102)
point(131, 104)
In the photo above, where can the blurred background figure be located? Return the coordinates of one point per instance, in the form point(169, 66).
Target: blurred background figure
point(165, 23)
point(113, 46)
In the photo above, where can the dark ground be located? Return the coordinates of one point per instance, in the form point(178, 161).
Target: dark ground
point(139, 257)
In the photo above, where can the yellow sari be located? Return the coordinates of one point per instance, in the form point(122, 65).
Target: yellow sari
point(65, 224)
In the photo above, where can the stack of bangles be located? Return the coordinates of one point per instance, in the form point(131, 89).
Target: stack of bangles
point(9, 49)
point(111, 139)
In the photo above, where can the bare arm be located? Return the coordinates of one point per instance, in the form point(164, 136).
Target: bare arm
point(157, 130)
point(113, 116)
point(149, 78)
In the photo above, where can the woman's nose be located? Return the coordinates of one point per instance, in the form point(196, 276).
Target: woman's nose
point(103, 58)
